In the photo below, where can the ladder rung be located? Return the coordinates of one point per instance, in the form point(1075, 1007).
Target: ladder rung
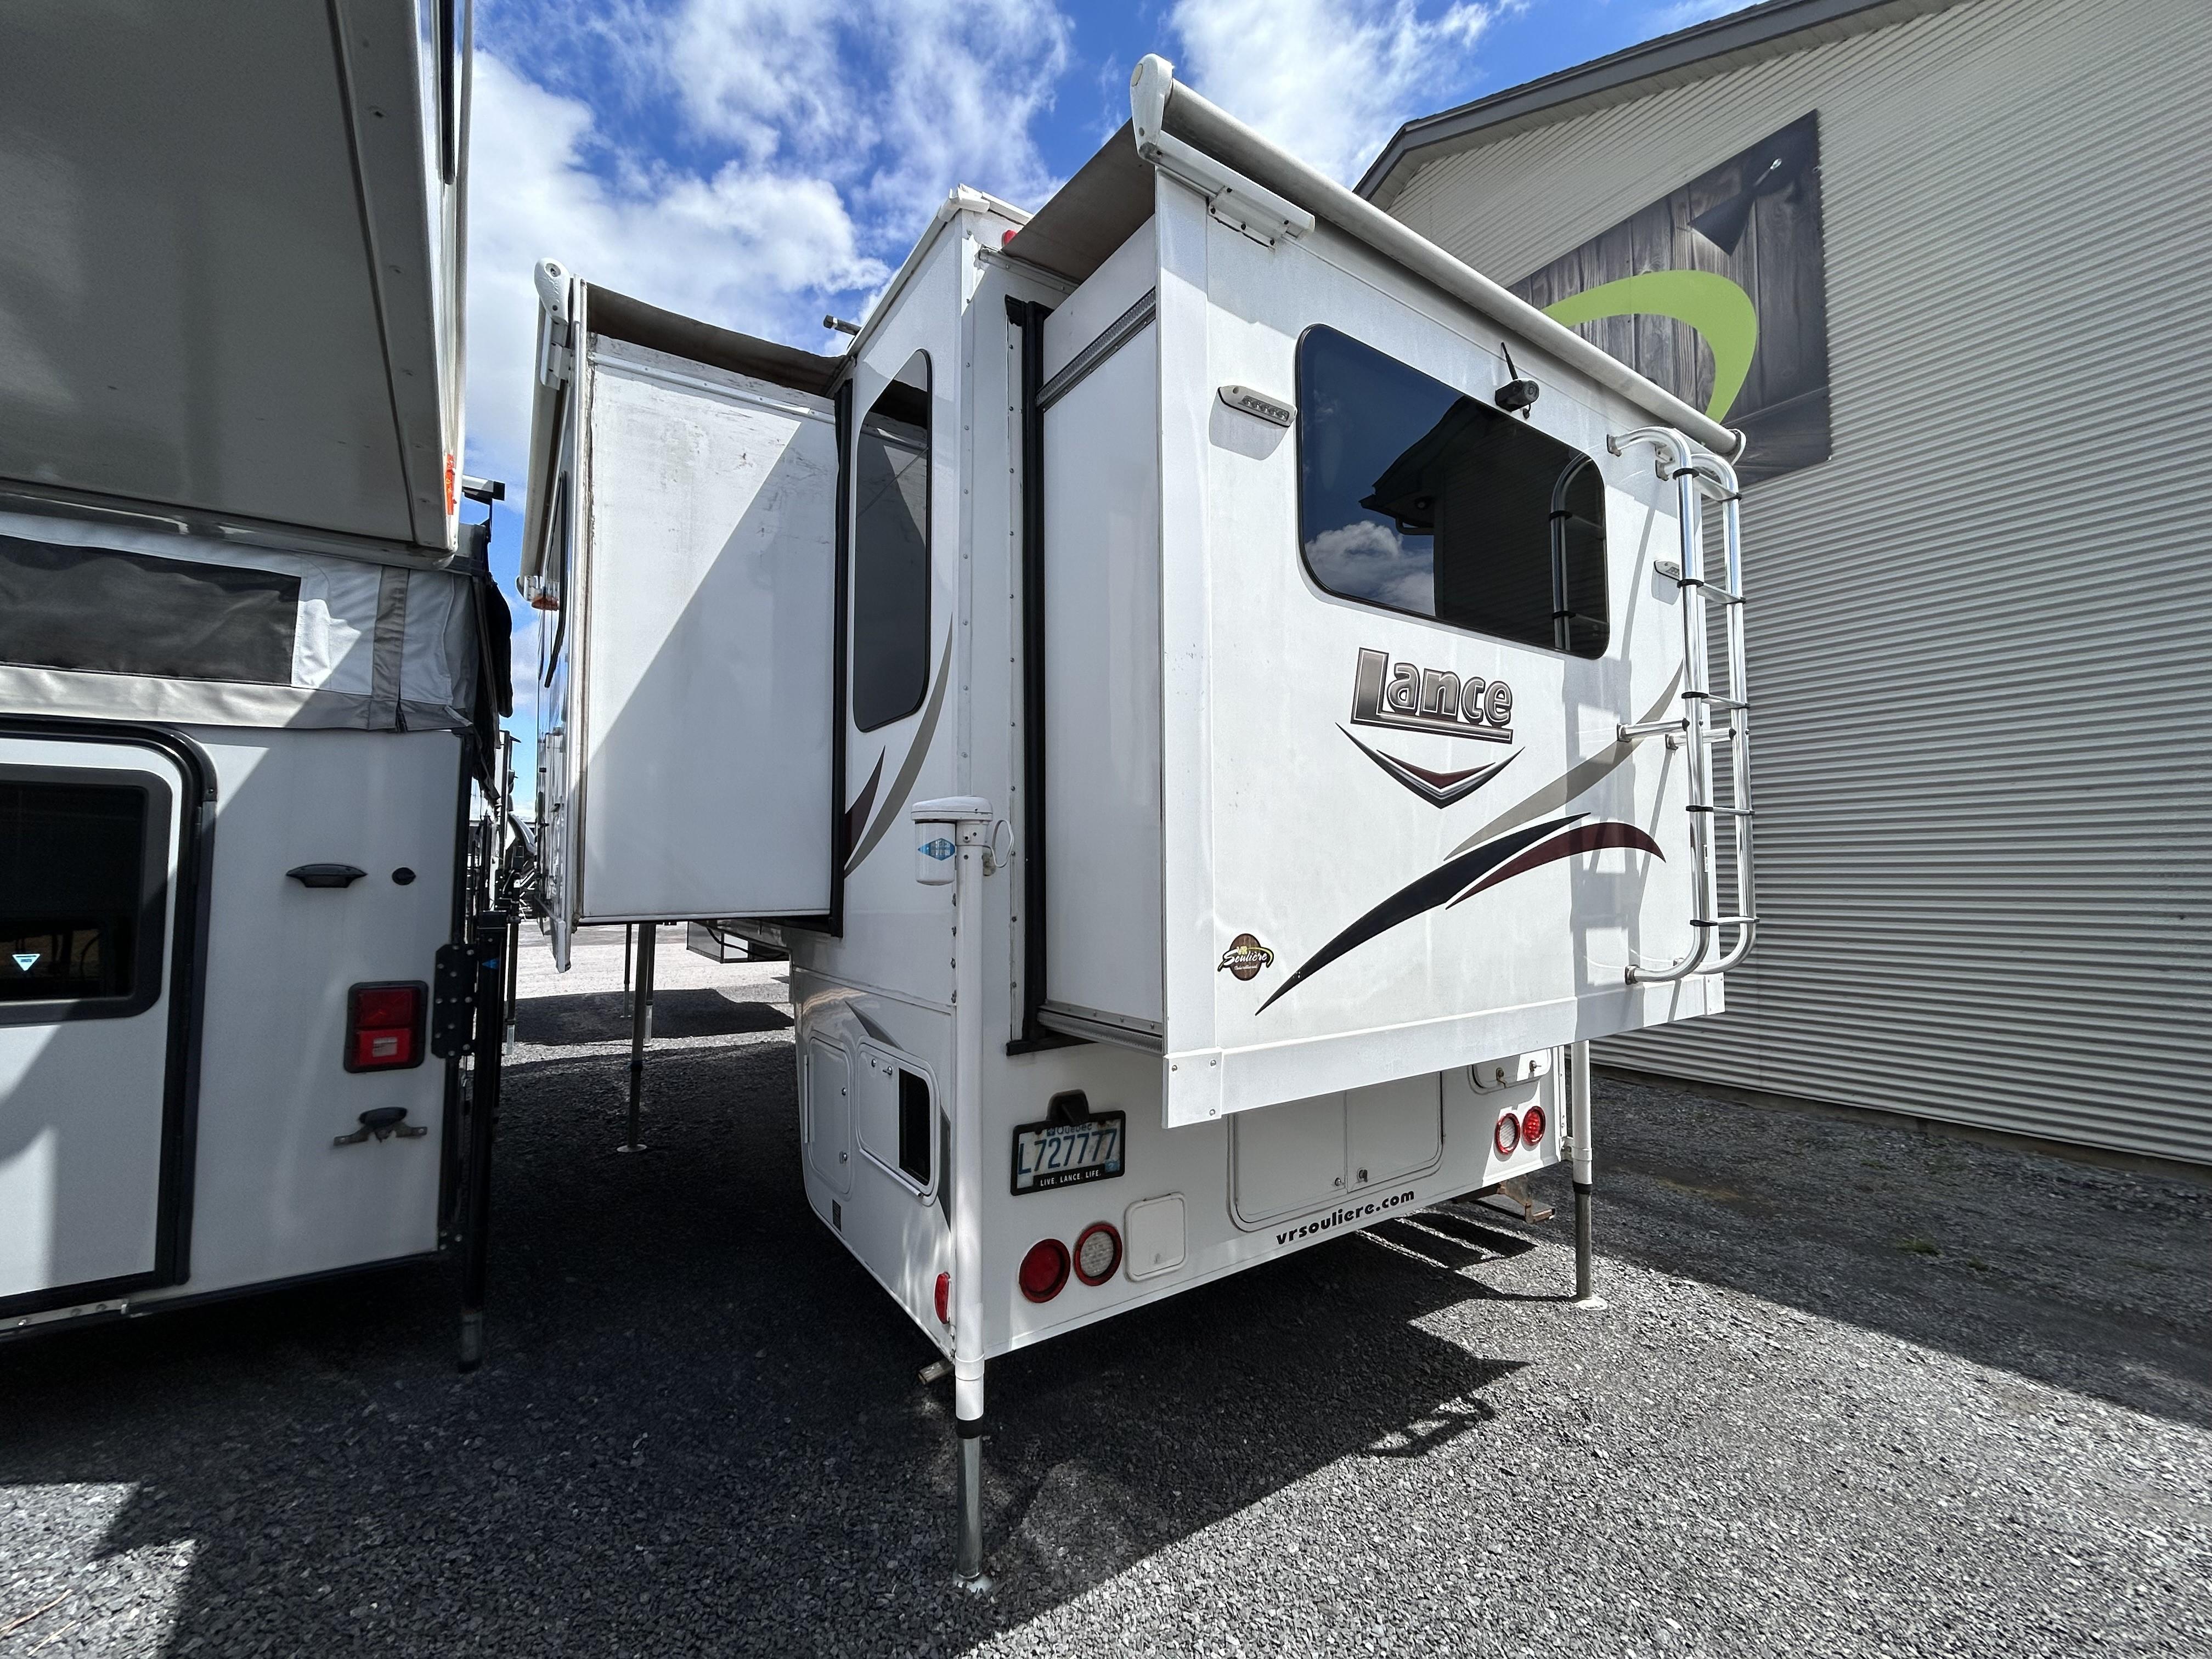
point(1725, 922)
point(1729, 703)
point(1712, 590)
point(1730, 811)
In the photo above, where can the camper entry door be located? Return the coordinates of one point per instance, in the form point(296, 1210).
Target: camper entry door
point(91, 1064)
point(1403, 623)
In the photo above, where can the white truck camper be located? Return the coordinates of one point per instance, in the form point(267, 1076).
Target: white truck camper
point(245, 674)
point(1214, 696)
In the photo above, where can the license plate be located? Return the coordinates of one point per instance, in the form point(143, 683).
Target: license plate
point(1049, 1155)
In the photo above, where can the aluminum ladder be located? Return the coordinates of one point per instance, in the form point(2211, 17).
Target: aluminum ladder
point(1698, 475)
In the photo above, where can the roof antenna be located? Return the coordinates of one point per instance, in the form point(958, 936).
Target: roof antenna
point(1518, 394)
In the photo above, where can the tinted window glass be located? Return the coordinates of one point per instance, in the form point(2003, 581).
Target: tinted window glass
point(108, 611)
point(73, 878)
point(914, 1126)
point(890, 551)
point(1416, 498)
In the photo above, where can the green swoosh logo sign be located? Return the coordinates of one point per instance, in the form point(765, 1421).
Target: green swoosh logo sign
point(1717, 308)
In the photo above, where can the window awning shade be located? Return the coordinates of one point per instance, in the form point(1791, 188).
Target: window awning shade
point(120, 623)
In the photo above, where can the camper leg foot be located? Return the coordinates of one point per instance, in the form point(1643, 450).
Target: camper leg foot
point(973, 1579)
point(472, 1339)
point(967, 1414)
point(1584, 1295)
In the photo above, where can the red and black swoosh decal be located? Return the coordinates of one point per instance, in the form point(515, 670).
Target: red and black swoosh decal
point(1582, 838)
point(856, 815)
point(1468, 874)
point(1437, 788)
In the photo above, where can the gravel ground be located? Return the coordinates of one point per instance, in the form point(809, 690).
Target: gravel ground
point(1858, 1393)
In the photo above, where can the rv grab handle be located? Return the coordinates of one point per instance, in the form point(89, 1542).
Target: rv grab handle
point(325, 875)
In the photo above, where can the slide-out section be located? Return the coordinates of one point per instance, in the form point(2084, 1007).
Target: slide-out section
point(699, 517)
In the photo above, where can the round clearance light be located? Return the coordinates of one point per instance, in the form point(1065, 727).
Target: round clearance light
point(1097, 1253)
point(1532, 1126)
point(1044, 1270)
point(944, 1298)
point(1508, 1135)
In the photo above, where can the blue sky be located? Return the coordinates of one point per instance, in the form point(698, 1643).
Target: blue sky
point(758, 162)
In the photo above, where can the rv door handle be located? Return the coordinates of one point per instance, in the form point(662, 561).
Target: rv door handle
point(325, 875)
point(383, 1121)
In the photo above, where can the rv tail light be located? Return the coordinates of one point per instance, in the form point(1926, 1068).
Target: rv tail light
point(1044, 1270)
point(384, 1026)
point(1097, 1253)
point(1532, 1126)
point(944, 1298)
point(1508, 1136)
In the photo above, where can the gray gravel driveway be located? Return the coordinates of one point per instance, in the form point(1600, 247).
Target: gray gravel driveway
point(1859, 1392)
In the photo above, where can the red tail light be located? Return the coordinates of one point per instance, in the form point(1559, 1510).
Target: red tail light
point(1044, 1270)
point(1508, 1136)
point(944, 1298)
point(1532, 1126)
point(384, 1026)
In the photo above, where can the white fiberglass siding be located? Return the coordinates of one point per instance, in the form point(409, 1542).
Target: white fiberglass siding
point(1979, 631)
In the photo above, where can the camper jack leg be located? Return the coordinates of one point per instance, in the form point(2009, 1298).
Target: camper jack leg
point(1579, 1106)
point(968, 1413)
point(967, 821)
point(489, 940)
point(641, 1033)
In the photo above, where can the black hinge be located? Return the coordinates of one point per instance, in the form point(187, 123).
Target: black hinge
point(453, 1000)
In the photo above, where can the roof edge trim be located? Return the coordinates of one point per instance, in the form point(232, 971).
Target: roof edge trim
point(1702, 50)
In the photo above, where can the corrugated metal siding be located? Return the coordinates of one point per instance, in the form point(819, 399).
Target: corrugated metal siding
point(1980, 631)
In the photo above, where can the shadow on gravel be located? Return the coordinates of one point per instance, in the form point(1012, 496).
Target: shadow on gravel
point(561, 1022)
point(2089, 1278)
point(700, 1428)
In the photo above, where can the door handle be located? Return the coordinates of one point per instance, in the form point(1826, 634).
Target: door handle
point(325, 875)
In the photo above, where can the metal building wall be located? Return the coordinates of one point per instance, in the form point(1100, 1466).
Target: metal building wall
point(1980, 631)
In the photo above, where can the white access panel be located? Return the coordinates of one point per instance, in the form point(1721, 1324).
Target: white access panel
point(707, 581)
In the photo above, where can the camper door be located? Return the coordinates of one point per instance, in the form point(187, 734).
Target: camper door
point(98, 876)
point(1398, 629)
point(691, 549)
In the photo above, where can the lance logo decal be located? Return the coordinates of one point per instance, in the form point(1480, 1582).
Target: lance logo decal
point(1437, 788)
point(1401, 697)
point(26, 960)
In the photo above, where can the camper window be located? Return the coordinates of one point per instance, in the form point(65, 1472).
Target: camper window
point(99, 609)
point(890, 551)
point(80, 890)
point(1415, 497)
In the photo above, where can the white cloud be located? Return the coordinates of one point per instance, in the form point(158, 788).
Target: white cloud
point(1366, 560)
point(832, 132)
point(751, 246)
point(896, 99)
point(1328, 80)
